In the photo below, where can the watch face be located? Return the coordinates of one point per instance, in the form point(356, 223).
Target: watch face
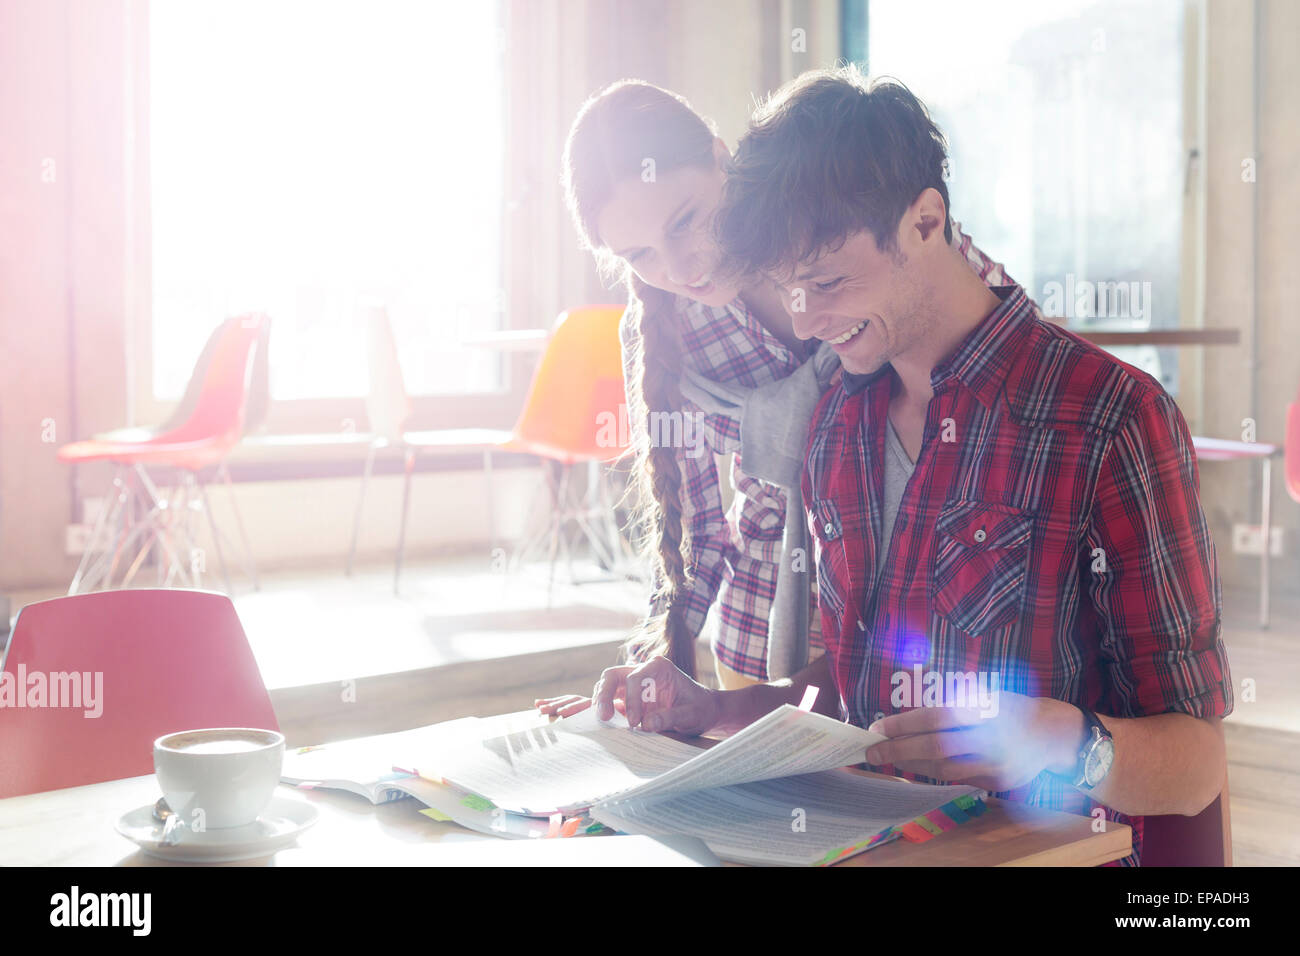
point(1098, 762)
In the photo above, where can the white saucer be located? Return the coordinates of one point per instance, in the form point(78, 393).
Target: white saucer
point(279, 826)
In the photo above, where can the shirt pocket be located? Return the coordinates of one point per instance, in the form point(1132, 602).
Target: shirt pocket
point(980, 565)
point(832, 577)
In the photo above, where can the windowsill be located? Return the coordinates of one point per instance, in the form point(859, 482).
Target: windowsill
point(342, 455)
point(339, 454)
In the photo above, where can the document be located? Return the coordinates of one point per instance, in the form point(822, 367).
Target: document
point(806, 820)
point(580, 762)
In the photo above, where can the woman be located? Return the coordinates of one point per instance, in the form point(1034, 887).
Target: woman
point(643, 175)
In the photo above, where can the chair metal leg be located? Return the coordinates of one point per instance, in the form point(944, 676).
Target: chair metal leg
point(539, 537)
point(401, 533)
point(107, 515)
point(1264, 518)
point(361, 500)
point(250, 563)
point(184, 519)
point(557, 526)
point(216, 535)
point(146, 513)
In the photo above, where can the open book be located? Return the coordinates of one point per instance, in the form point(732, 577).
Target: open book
point(368, 766)
point(768, 794)
point(381, 769)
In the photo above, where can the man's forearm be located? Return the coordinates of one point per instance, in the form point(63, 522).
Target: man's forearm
point(1166, 763)
point(739, 708)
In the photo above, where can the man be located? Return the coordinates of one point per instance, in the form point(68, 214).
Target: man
point(1017, 585)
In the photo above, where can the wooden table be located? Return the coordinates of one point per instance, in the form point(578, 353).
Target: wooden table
point(74, 827)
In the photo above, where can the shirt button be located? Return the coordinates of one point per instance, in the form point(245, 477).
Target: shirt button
point(829, 528)
point(980, 535)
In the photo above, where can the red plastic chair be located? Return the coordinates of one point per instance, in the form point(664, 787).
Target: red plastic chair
point(170, 660)
point(1201, 840)
point(140, 515)
point(1292, 461)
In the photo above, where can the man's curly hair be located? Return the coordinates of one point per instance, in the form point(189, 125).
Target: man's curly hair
point(828, 155)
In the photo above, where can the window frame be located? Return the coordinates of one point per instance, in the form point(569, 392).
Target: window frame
point(497, 408)
point(855, 42)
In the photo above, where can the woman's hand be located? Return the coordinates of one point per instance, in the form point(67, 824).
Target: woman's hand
point(566, 705)
point(656, 696)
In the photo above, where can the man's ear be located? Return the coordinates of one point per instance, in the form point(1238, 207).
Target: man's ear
point(721, 154)
point(926, 218)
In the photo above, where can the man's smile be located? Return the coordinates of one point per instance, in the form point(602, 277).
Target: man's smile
point(844, 338)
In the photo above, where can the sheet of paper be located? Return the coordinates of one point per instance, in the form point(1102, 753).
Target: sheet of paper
point(369, 761)
point(786, 742)
point(565, 766)
point(800, 820)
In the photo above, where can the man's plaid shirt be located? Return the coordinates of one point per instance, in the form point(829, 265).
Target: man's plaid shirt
point(1051, 533)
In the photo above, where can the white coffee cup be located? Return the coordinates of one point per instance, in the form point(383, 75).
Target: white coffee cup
point(218, 777)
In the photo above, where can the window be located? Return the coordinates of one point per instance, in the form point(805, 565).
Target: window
point(1065, 125)
point(307, 155)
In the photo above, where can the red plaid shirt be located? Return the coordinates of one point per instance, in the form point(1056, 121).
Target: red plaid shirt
point(1051, 533)
point(736, 552)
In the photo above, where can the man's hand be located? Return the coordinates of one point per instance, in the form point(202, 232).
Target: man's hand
point(656, 696)
point(996, 753)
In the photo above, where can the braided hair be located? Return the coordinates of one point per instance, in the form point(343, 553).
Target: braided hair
point(615, 131)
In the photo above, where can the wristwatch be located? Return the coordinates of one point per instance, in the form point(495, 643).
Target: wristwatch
point(1097, 754)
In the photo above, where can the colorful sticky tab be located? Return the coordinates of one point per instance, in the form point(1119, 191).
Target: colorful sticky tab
point(965, 801)
point(941, 820)
point(436, 815)
point(809, 698)
point(554, 829)
point(954, 813)
point(925, 823)
point(475, 802)
point(308, 784)
point(915, 834)
point(977, 808)
point(570, 827)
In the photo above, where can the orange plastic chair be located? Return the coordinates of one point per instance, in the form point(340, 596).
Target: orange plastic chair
point(576, 414)
point(576, 409)
point(140, 515)
point(166, 660)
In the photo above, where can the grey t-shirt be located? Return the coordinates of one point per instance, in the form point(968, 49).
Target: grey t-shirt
point(898, 470)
